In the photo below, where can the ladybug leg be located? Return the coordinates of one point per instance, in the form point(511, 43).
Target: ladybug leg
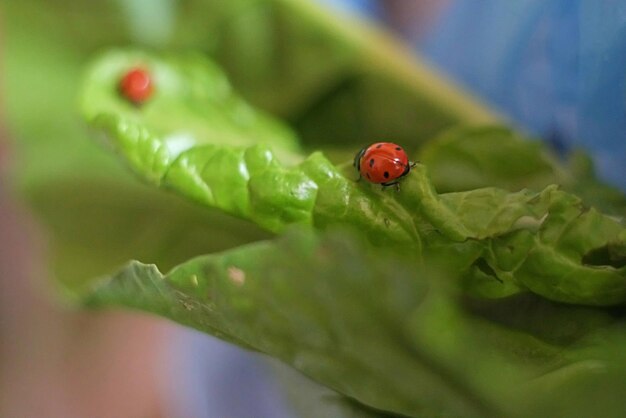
point(391, 183)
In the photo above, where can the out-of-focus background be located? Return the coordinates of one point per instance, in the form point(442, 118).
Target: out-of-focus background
point(553, 68)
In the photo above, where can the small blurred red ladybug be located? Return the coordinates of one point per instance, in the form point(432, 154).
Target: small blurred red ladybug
point(383, 163)
point(136, 85)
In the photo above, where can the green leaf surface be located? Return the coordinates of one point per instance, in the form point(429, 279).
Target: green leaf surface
point(544, 242)
point(511, 241)
point(326, 307)
point(371, 325)
point(489, 156)
point(467, 158)
point(247, 177)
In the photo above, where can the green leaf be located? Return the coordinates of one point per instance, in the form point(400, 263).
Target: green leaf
point(510, 241)
point(467, 158)
point(245, 176)
point(371, 325)
point(546, 242)
point(351, 320)
point(197, 99)
point(568, 235)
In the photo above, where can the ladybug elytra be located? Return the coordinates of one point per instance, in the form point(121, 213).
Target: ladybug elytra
point(383, 163)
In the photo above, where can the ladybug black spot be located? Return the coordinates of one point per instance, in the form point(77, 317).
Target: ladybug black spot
point(379, 145)
point(372, 162)
point(398, 149)
point(386, 174)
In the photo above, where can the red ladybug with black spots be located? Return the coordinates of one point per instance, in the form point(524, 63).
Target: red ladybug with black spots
point(383, 163)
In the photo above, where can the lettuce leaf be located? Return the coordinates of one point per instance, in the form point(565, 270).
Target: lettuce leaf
point(466, 158)
point(249, 166)
point(353, 319)
point(377, 327)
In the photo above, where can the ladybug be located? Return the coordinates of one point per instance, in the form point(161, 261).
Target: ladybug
point(383, 163)
point(136, 86)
